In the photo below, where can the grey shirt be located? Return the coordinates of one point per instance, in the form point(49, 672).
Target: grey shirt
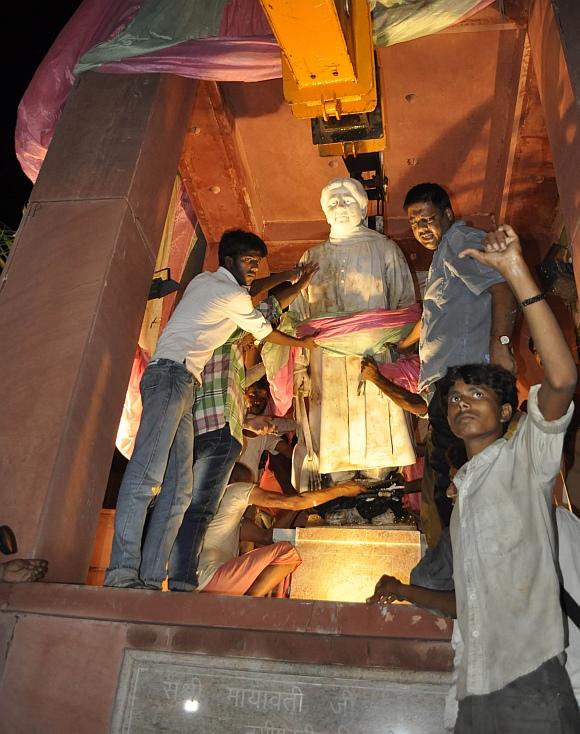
point(456, 307)
point(505, 556)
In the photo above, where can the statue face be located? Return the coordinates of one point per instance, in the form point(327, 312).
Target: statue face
point(342, 208)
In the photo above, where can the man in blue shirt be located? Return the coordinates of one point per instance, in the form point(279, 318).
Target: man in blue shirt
point(468, 316)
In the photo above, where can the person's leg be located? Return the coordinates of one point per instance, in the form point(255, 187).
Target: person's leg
point(215, 456)
point(170, 506)
point(237, 576)
point(541, 702)
point(167, 390)
point(269, 579)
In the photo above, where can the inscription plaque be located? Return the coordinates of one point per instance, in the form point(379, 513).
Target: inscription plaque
point(174, 692)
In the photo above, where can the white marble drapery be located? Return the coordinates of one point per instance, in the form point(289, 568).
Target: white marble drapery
point(361, 271)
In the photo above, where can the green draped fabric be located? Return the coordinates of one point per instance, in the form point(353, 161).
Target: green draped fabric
point(158, 24)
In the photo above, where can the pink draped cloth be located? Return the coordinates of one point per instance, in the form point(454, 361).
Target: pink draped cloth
point(412, 501)
point(244, 50)
point(240, 53)
point(329, 327)
point(236, 576)
point(95, 21)
point(404, 372)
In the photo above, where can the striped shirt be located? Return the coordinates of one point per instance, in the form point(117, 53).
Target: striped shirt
point(220, 399)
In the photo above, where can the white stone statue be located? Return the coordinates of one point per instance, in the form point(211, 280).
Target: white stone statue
point(354, 427)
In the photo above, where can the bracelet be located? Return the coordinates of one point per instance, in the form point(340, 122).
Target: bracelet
point(533, 299)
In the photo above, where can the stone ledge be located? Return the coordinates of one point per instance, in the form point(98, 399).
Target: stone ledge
point(403, 622)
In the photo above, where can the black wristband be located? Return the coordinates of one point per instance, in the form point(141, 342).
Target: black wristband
point(533, 299)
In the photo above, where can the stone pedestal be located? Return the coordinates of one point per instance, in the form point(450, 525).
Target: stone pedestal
point(345, 563)
point(90, 661)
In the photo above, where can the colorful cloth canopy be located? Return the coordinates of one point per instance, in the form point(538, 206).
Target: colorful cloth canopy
point(218, 40)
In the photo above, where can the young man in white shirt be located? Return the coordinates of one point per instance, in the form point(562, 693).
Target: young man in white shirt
point(510, 631)
point(212, 307)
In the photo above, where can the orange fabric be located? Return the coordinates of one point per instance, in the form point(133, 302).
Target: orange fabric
point(236, 576)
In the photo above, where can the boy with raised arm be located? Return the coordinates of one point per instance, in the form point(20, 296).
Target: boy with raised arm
point(509, 630)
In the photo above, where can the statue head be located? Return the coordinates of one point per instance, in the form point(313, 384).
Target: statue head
point(344, 203)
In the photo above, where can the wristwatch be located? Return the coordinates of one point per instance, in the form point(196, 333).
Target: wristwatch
point(505, 340)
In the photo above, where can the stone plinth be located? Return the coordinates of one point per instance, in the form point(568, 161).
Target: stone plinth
point(73, 658)
point(345, 563)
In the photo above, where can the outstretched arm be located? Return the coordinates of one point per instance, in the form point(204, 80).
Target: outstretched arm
point(260, 287)
point(503, 311)
point(285, 340)
point(405, 399)
point(502, 251)
point(390, 589)
point(306, 499)
point(286, 295)
point(412, 337)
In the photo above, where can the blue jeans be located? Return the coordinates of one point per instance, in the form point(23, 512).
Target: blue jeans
point(215, 455)
point(161, 465)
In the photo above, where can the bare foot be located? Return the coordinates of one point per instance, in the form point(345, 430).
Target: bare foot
point(23, 569)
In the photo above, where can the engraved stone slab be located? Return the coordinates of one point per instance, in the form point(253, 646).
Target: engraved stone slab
point(172, 692)
point(345, 563)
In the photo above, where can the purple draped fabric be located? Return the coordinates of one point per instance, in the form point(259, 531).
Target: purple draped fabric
point(214, 59)
point(95, 21)
point(244, 51)
point(329, 327)
point(232, 57)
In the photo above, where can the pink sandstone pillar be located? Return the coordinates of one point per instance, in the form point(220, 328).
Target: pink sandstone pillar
point(554, 31)
point(71, 302)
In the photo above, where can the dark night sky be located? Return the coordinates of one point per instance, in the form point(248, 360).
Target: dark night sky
point(28, 34)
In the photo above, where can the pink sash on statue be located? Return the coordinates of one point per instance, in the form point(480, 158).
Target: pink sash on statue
point(331, 328)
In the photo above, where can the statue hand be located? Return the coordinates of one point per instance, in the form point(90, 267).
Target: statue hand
point(301, 381)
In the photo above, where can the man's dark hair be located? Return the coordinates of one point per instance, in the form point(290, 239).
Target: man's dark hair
point(235, 242)
point(428, 193)
point(502, 382)
point(261, 384)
